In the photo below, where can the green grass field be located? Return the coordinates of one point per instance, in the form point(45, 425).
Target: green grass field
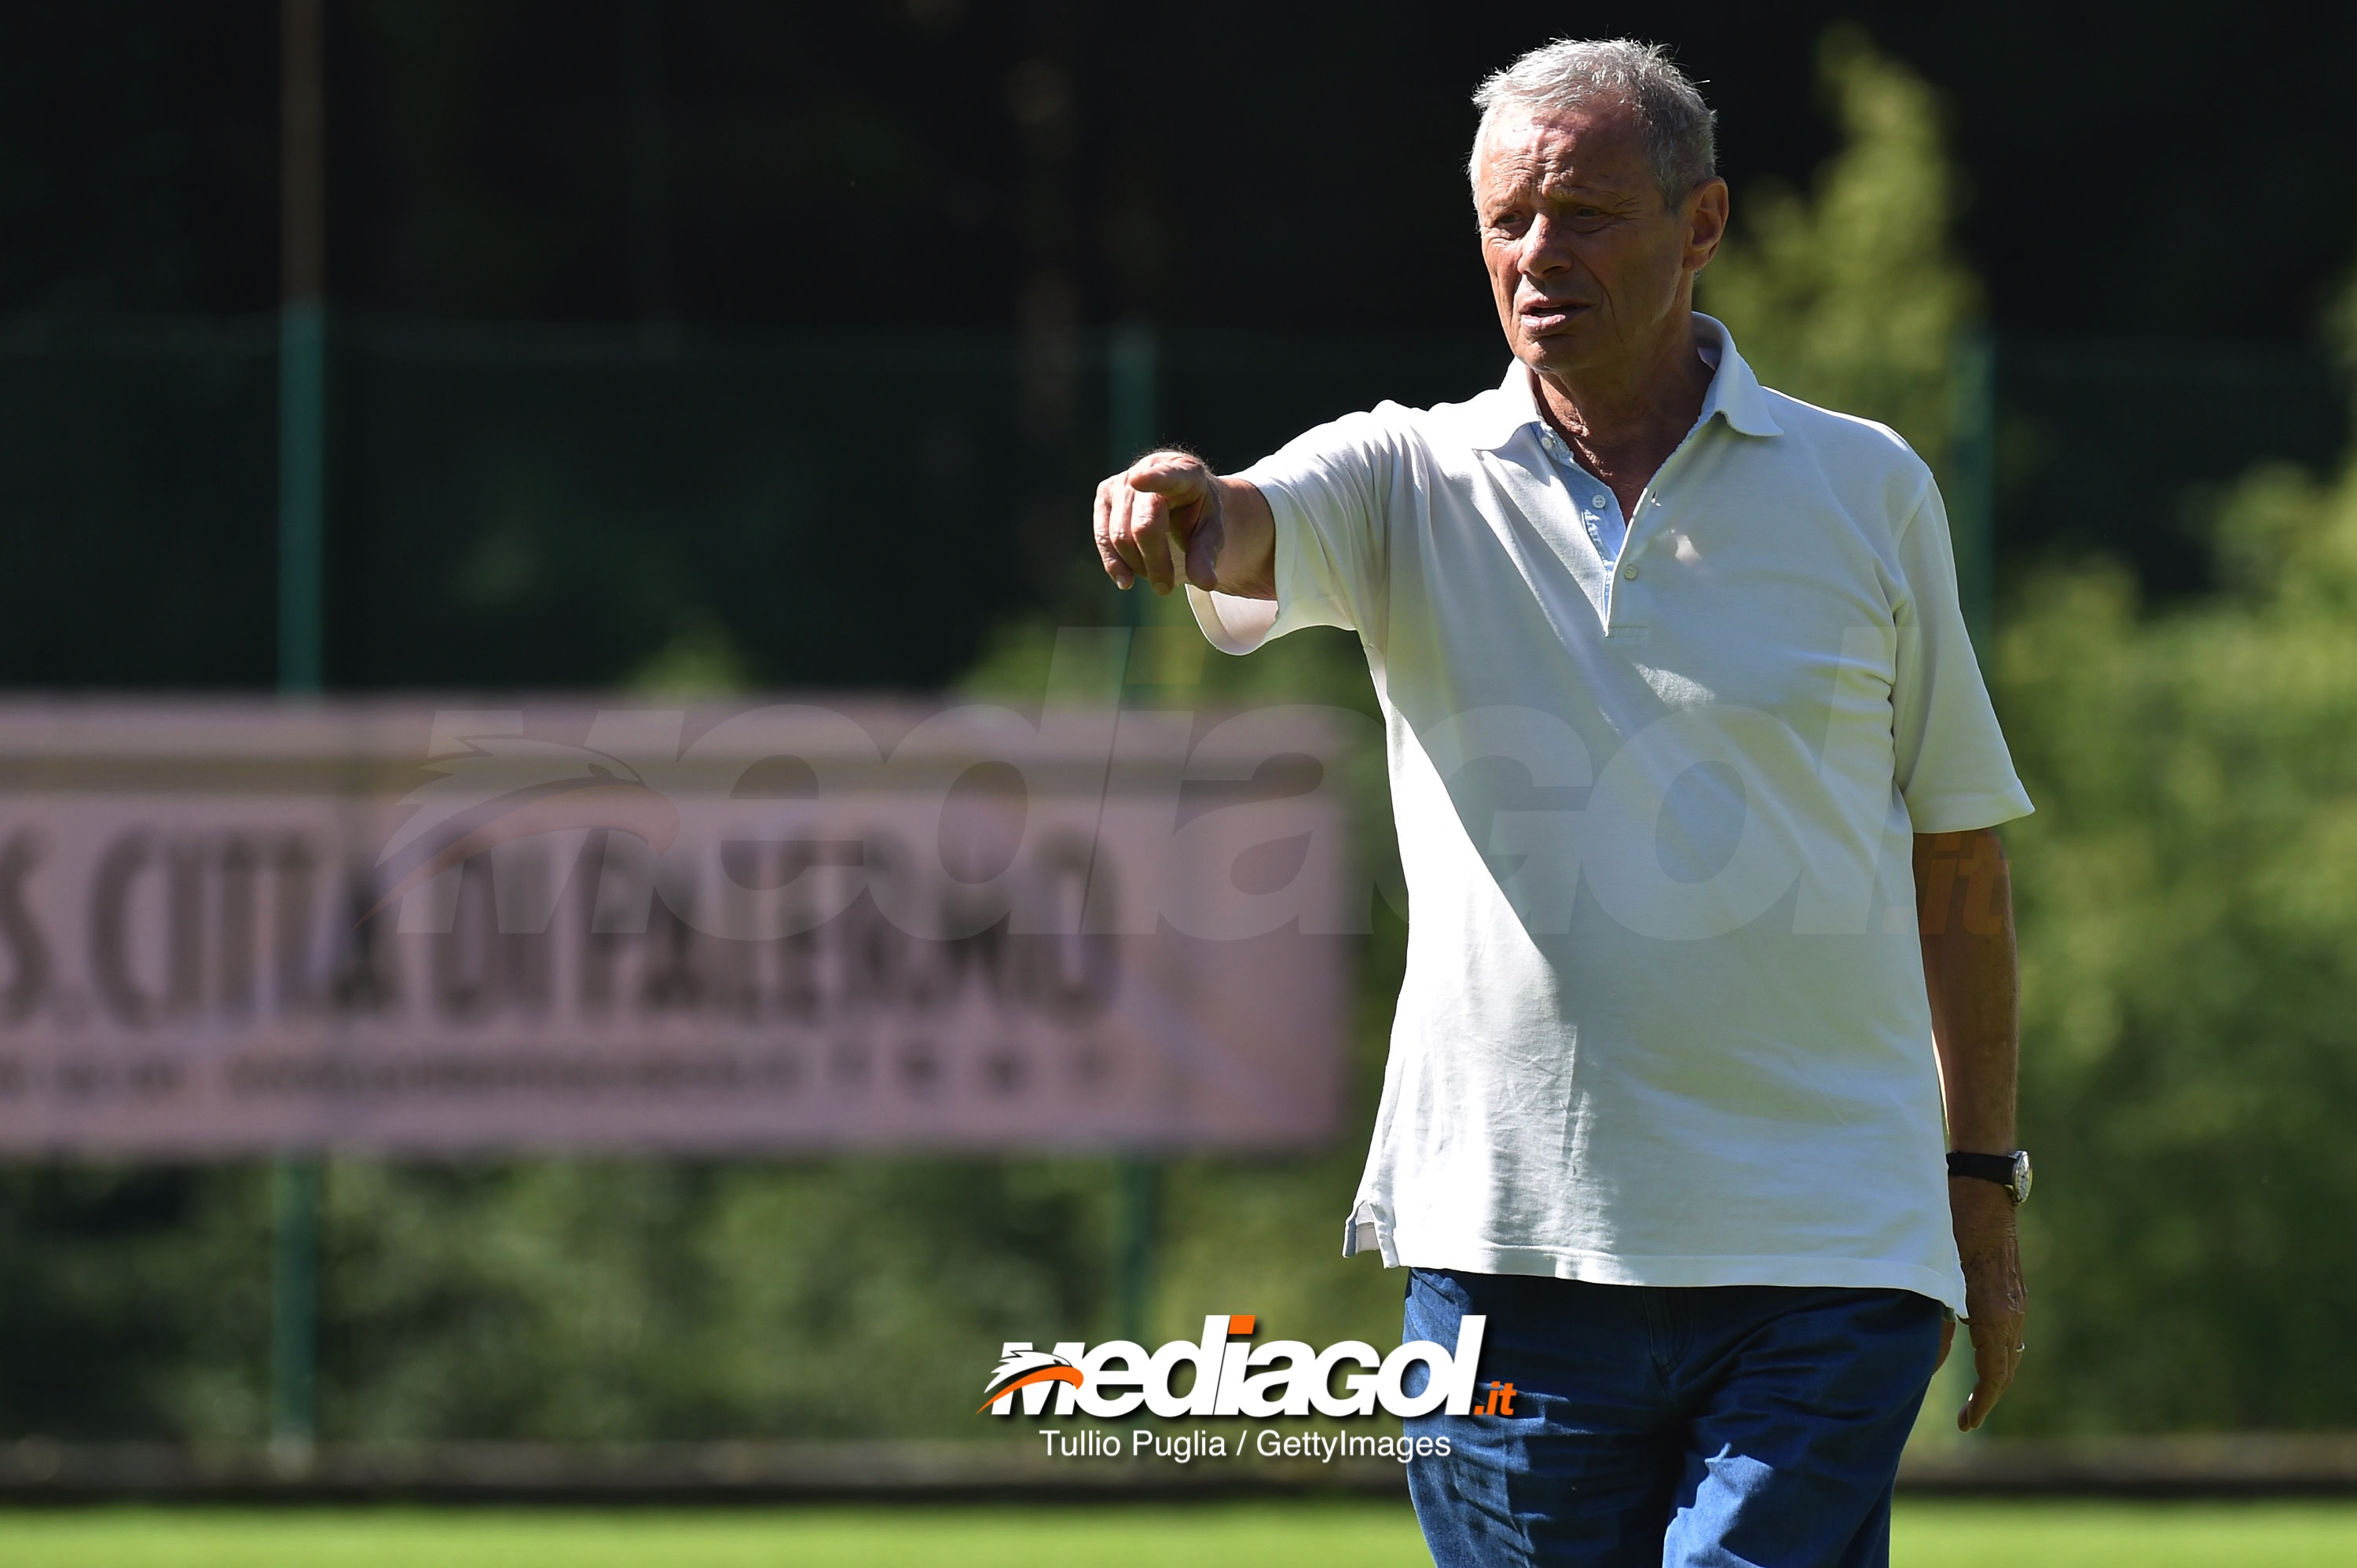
point(1277, 1535)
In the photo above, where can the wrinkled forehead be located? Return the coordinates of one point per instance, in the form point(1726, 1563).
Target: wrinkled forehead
point(1600, 145)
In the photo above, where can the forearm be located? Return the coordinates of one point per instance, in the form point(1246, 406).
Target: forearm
point(1965, 915)
point(1963, 909)
point(1246, 561)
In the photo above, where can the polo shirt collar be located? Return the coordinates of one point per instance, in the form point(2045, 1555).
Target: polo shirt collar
point(1735, 394)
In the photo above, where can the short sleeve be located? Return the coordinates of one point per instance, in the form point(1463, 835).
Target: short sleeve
point(1326, 490)
point(1951, 762)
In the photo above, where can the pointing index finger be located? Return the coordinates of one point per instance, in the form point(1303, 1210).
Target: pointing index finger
point(1149, 533)
point(1122, 577)
point(1165, 474)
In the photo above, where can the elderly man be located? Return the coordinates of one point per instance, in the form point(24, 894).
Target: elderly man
point(1693, 773)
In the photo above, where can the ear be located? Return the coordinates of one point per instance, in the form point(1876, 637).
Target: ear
point(1706, 213)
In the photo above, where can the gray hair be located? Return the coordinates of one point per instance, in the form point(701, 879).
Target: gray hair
point(1681, 140)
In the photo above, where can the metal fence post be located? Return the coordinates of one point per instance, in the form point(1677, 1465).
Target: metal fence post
point(302, 649)
point(302, 495)
point(1133, 365)
point(1137, 1216)
point(294, 1308)
point(1132, 377)
point(1972, 481)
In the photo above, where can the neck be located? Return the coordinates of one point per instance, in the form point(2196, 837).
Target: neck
point(1625, 419)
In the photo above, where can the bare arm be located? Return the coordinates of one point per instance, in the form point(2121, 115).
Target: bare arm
point(1168, 514)
point(1964, 895)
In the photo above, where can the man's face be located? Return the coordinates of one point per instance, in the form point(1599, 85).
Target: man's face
point(1587, 261)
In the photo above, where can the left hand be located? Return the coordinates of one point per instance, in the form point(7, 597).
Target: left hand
point(1997, 1304)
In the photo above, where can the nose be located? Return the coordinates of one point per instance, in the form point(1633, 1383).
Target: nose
point(1543, 248)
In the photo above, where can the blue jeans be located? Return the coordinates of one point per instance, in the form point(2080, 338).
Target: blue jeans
point(1736, 1426)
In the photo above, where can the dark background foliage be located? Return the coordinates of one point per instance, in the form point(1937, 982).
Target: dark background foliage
point(899, 177)
point(919, 162)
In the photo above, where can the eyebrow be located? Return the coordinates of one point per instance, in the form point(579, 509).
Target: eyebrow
point(1591, 194)
point(1579, 186)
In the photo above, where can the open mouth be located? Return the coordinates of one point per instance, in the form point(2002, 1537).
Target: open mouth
point(1548, 317)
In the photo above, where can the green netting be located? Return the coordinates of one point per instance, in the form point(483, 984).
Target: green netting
point(516, 506)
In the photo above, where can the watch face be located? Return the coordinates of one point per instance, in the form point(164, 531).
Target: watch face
point(2020, 1188)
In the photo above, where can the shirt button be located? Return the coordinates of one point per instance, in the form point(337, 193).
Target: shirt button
point(1595, 500)
point(1630, 572)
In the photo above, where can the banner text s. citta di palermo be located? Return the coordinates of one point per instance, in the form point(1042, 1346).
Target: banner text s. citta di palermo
point(236, 925)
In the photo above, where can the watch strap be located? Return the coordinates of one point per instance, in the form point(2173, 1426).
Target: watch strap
point(1998, 1168)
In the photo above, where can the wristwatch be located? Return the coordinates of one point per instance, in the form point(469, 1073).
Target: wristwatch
point(2010, 1172)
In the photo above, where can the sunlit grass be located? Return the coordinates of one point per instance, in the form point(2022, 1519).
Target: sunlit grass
point(1229, 1535)
point(2124, 1535)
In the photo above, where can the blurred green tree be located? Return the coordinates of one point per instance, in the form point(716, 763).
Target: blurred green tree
point(2189, 919)
point(1854, 296)
point(624, 1300)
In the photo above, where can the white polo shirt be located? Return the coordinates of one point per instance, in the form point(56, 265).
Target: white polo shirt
point(1663, 1020)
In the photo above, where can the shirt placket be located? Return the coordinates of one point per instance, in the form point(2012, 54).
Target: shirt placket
point(1626, 570)
point(1595, 505)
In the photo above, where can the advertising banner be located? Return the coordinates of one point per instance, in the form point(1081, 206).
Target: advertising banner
point(232, 926)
